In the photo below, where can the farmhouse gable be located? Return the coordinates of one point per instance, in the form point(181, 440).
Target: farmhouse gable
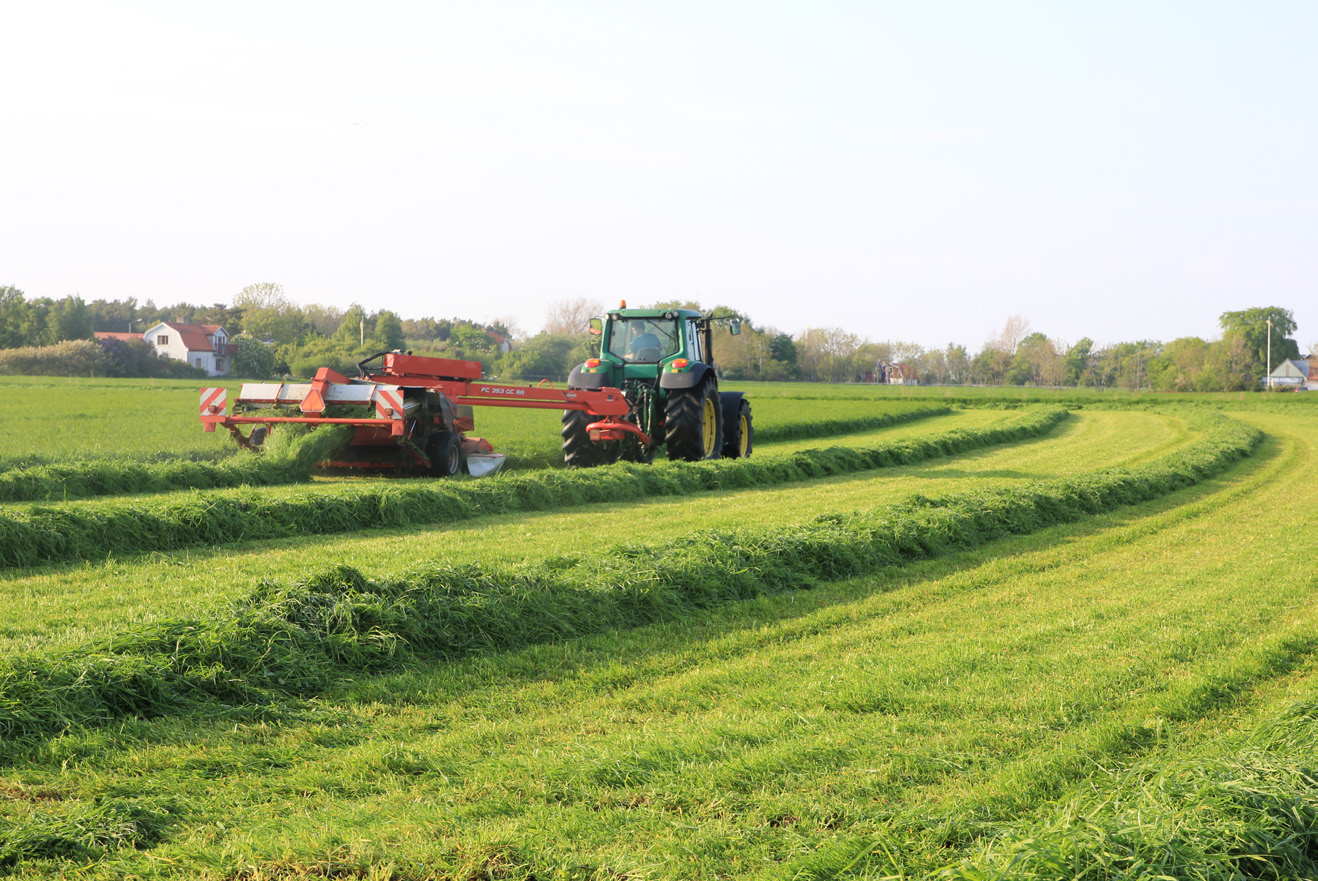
point(201, 345)
point(1294, 374)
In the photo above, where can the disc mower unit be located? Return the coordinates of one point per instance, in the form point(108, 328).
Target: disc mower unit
point(407, 412)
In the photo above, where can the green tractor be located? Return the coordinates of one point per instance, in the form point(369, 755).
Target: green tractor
point(663, 361)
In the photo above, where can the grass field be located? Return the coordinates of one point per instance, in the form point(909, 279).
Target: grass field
point(1083, 653)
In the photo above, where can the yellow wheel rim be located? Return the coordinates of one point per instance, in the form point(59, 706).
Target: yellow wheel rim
point(743, 435)
point(710, 427)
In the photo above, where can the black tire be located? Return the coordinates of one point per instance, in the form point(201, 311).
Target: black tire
point(445, 452)
point(579, 451)
point(738, 429)
point(693, 423)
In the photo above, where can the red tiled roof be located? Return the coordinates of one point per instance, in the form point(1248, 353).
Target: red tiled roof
point(194, 335)
point(112, 335)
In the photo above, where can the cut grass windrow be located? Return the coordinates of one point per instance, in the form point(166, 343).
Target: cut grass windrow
point(784, 431)
point(286, 461)
point(296, 639)
point(93, 530)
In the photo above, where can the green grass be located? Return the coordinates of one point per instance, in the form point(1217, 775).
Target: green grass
point(915, 714)
point(93, 530)
point(1122, 695)
point(299, 638)
point(51, 421)
point(289, 458)
point(66, 606)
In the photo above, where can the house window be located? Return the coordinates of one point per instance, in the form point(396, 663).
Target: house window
point(162, 340)
point(219, 365)
point(197, 361)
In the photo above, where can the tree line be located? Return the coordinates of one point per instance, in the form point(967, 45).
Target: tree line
point(273, 336)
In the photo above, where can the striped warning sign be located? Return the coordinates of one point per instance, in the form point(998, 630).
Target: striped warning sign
point(213, 401)
point(389, 398)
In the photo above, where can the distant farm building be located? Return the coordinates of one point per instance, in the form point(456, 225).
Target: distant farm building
point(1296, 375)
point(902, 374)
point(201, 345)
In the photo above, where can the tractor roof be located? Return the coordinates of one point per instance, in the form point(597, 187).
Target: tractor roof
point(654, 313)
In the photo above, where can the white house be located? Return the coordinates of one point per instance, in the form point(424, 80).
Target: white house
point(201, 345)
point(1294, 374)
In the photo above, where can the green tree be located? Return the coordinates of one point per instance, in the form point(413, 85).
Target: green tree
point(13, 314)
point(35, 326)
point(956, 364)
point(427, 329)
point(544, 356)
point(304, 358)
point(1179, 367)
point(1077, 368)
point(252, 358)
point(267, 314)
point(118, 316)
point(471, 340)
point(1127, 365)
point(1228, 366)
point(354, 328)
point(1251, 327)
point(387, 334)
point(70, 319)
point(783, 348)
point(323, 320)
point(1036, 362)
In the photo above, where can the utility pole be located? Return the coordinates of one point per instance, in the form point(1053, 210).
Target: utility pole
point(1269, 354)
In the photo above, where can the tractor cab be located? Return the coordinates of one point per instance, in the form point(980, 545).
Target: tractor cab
point(672, 346)
point(637, 339)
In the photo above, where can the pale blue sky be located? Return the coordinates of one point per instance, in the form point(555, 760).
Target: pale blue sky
point(913, 171)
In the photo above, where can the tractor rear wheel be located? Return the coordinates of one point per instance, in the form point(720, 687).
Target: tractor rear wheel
point(693, 424)
point(579, 451)
point(738, 432)
point(444, 449)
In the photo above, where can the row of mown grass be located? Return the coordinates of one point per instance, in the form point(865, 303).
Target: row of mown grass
point(95, 529)
point(288, 458)
point(66, 606)
point(298, 638)
point(106, 477)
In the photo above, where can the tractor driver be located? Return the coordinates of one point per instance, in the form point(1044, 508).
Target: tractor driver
point(647, 341)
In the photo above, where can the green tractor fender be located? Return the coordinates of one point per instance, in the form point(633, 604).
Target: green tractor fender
point(579, 379)
point(692, 378)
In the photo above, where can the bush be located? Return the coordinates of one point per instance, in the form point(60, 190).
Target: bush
point(94, 358)
point(69, 358)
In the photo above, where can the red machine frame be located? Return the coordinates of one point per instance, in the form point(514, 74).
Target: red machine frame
point(456, 380)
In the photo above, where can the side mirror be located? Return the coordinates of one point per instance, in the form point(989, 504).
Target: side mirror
point(596, 326)
point(734, 326)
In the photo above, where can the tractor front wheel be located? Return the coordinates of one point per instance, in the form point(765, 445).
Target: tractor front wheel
point(693, 424)
point(579, 451)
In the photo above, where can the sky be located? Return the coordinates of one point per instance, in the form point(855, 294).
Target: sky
point(913, 171)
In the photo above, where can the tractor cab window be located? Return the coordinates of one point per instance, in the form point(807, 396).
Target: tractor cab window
point(696, 351)
point(644, 340)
